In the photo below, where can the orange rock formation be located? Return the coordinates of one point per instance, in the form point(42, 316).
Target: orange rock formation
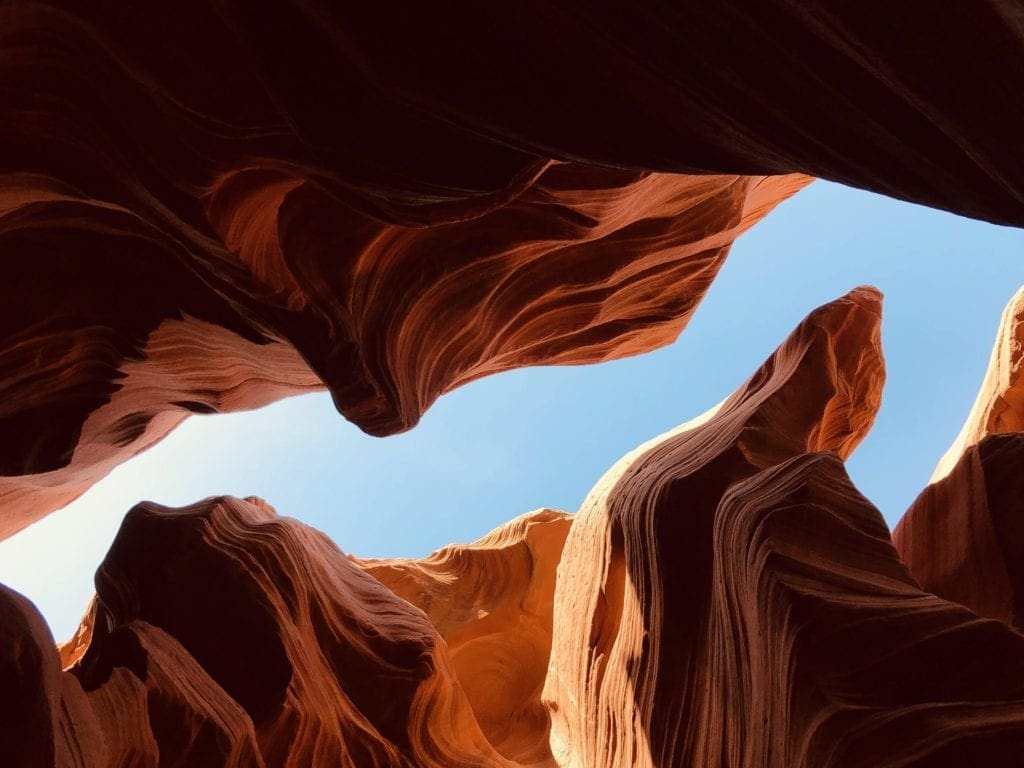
point(584, 265)
point(725, 596)
point(491, 602)
point(999, 407)
point(210, 205)
point(631, 649)
point(225, 635)
point(181, 244)
point(963, 537)
point(392, 202)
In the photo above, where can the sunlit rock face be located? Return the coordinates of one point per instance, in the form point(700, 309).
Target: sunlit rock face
point(121, 319)
point(963, 537)
point(212, 206)
point(999, 406)
point(634, 646)
point(585, 265)
point(724, 597)
point(176, 243)
point(492, 603)
point(226, 635)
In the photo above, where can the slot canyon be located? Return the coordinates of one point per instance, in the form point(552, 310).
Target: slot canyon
point(208, 206)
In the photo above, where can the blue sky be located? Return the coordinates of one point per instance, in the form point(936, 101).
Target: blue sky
point(543, 436)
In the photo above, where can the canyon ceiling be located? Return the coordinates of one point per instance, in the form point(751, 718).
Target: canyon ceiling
point(208, 206)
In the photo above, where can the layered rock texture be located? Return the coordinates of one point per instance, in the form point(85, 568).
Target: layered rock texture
point(492, 603)
point(211, 205)
point(963, 537)
point(724, 597)
point(178, 243)
point(226, 635)
point(584, 265)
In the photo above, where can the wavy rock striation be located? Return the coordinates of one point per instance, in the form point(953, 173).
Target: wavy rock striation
point(208, 206)
point(393, 214)
point(999, 406)
point(821, 650)
point(725, 596)
point(272, 287)
point(224, 635)
point(963, 537)
point(175, 243)
point(492, 601)
point(429, 116)
point(630, 648)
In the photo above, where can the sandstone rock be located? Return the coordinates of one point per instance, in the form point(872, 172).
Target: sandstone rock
point(724, 597)
point(313, 662)
point(222, 634)
point(999, 406)
point(208, 206)
point(633, 597)
point(292, 290)
point(461, 195)
point(963, 537)
point(45, 719)
point(491, 601)
point(821, 650)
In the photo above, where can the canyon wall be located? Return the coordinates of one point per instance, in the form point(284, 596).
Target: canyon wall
point(210, 206)
point(963, 537)
point(725, 596)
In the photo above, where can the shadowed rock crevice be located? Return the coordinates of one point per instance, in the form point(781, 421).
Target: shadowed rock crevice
point(963, 537)
point(633, 699)
point(392, 202)
point(725, 596)
point(210, 206)
point(491, 601)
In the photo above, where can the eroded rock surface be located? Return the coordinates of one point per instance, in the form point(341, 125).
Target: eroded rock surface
point(226, 635)
point(821, 650)
point(633, 599)
point(492, 603)
point(999, 406)
point(390, 202)
point(725, 596)
point(211, 205)
point(963, 537)
point(291, 290)
point(177, 243)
